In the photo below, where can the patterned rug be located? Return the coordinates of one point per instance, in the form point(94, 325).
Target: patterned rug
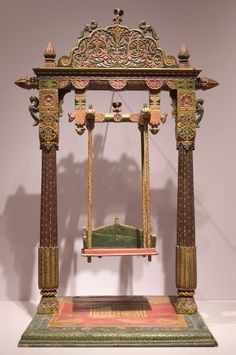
point(116, 321)
point(117, 312)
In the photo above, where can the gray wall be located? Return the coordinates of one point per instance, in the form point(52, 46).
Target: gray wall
point(208, 28)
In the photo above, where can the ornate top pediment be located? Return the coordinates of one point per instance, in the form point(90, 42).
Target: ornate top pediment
point(117, 46)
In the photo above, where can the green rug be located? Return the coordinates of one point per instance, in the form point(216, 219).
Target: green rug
point(117, 321)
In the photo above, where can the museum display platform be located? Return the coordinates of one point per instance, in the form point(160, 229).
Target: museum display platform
point(117, 321)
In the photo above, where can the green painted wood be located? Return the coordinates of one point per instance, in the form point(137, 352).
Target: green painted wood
point(39, 334)
point(117, 236)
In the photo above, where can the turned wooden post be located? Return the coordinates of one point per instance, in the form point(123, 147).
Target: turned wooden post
point(186, 267)
point(48, 248)
point(48, 265)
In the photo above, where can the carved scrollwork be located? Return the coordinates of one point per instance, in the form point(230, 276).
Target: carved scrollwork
point(186, 131)
point(118, 47)
point(48, 130)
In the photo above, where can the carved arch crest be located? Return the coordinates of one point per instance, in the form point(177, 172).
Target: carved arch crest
point(117, 47)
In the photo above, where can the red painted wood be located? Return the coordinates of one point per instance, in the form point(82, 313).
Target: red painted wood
point(119, 252)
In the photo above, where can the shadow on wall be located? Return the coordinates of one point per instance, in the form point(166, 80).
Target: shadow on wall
point(116, 189)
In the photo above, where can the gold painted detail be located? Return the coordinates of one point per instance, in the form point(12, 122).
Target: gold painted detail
point(186, 293)
point(48, 268)
point(186, 275)
point(186, 121)
point(48, 305)
point(107, 312)
point(49, 115)
point(186, 84)
point(186, 305)
point(48, 84)
point(48, 130)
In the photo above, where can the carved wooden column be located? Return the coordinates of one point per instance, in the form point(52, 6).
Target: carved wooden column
point(48, 248)
point(186, 268)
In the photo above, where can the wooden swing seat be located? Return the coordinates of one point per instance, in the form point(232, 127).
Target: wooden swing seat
point(117, 240)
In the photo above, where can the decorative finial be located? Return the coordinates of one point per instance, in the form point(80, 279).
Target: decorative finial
point(118, 16)
point(49, 56)
point(206, 83)
point(28, 82)
point(183, 56)
point(117, 220)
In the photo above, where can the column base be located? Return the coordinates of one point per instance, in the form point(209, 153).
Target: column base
point(48, 304)
point(186, 305)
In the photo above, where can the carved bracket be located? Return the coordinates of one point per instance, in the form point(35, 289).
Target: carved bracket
point(199, 111)
point(33, 109)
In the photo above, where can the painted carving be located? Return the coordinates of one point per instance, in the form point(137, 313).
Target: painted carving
point(48, 100)
point(28, 82)
point(48, 130)
point(154, 84)
point(199, 111)
point(186, 131)
point(186, 116)
point(64, 83)
point(80, 84)
point(48, 83)
point(33, 109)
point(117, 111)
point(206, 83)
point(118, 47)
point(118, 84)
point(171, 84)
point(117, 18)
point(89, 28)
point(164, 117)
point(186, 101)
point(146, 29)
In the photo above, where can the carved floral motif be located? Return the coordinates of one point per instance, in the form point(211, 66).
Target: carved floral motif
point(187, 101)
point(154, 84)
point(118, 84)
point(117, 47)
point(80, 84)
point(48, 130)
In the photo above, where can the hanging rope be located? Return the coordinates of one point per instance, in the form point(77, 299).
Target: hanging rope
point(90, 168)
point(143, 191)
point(147, 187)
